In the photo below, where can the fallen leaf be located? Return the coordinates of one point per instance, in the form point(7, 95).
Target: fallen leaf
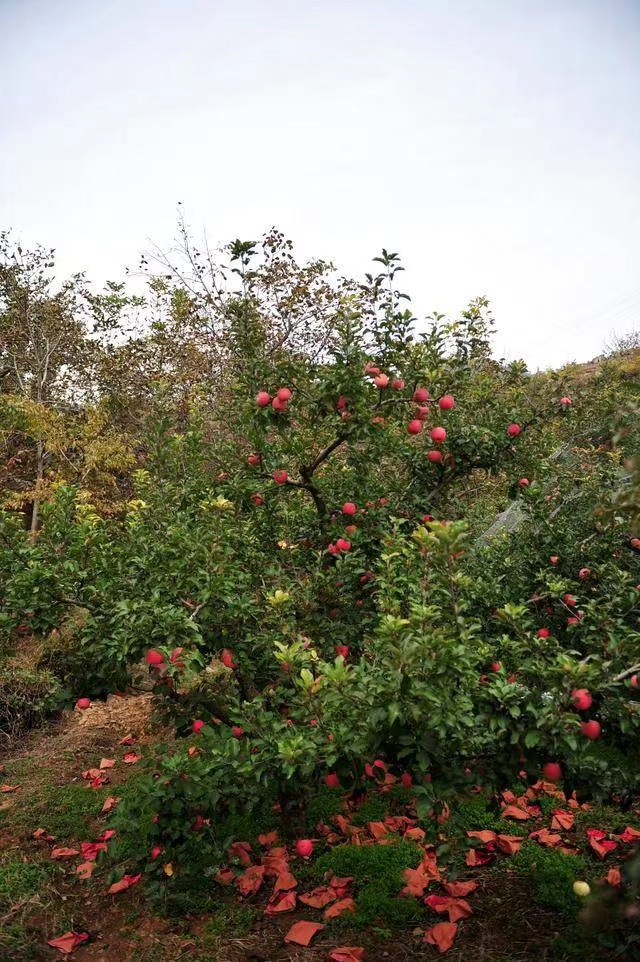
point(339, 908)
point(269, 839)
point(455, 908)
point(109, 803)
point(127, 740)
point(131, 758)
point(512, 811)
point(417, 880)
point(351, 953)
point(241, 851)
point(64, 852)
point(107, 763)
point(285, 881)
point(562, 820)
point(415, 834)
point(509, 844)
point(613, 877)
point(40, 833)
point(68, 942)
point(378, 829)
point(85, 870)
point(483, 836)
point(126, 882)
point(476, 856)
point(280, 902)
point(224, 877)
point(545, 837)
point(602, 847)
point(251, 880)
point(442, 935)
point(90, 850)
point(460, 889)
point(319, 897)
point(5, 789)
point(340, 883)
point(301, 933)
point(629, 835)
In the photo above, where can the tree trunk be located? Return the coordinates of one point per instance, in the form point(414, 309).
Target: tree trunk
point(35, 512)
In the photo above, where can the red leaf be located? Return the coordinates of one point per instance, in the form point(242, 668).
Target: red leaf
point(281, 902)
point(109, 803)
point(251, 881)
point(349, 953)
point(127, 740)
point(613, 877)
point(125, 883)
point(562, 820)
point(509, 844)
point(319, 897)
point(90, 850)
point(301, 933)
point(460, 889)
point(85, 870)
point(269, 839)
point(5, 789)
point(339, 908)
point(107, 763)
point(442, 935)
point(68, 942)
point(455, 908)
point(341, 883)
point(40, 833)
point(378, 829)
point(477, 857)
point(629, 835)
point(415, 834)
point(417, 881)
point(545, 837)
point(241, 851)
point(92, 773)
point(603, 846)
point(64, 852)
point(285, 881)
point(131, 758)
point(512, 811)
point(484, 836)
point(224, 877)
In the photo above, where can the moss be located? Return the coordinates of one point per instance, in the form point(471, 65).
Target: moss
point(553, 874)
point(374, 809)
point(324, 804)
point(474, 813)
point(377, 871)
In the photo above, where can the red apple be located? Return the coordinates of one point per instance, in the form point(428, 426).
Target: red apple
point(584, 573)
point(83, 703)
point(434, 456)
point(422, 412)
point(263, 398)
point(154, 657)
point(237, 731)
point(552, 772)
point(565, 402)
point(197, 726)
point(570, 600)
point(420, 395)
point(284, 394)
point(371, 368)
point(254, 459)
point(341, 403)
point(381, 381)
point(257, 499)
point(495, 666)
point(405, 780)
point(554, 559)
point(304, 847)
point(426, 518)
point(226, 657)
point(332, 781)
point(156, 850)
point(633, 681)
point(446, 402)
point(278, 405)
point(351, 529)
point(581, 698)
point(397, 384)
point(591, 729)
point(513, 430)
point(366, 577)
point(342, 650)
point(280, 476)
point(343, 545)
point(524, 482)
point(414, 427)
point(544, 633)
point(349, 508)
point(438, 435)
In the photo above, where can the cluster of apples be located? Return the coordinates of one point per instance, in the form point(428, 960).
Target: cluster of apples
point(279, 401)
point(582, 701)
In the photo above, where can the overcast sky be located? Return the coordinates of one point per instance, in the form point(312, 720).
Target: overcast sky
point(494, 143)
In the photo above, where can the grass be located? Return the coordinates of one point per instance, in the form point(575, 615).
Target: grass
point(66, 811)
point(553, 874)
point(21, 884)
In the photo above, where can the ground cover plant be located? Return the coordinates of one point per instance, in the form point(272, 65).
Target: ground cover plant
point(378, 588)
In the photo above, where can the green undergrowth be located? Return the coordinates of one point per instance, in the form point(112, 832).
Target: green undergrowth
point(377, 872)
point(552, 874)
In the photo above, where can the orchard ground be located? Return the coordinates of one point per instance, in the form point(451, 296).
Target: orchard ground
point(521, 908)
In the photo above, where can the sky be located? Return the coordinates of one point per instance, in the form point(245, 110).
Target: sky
point(495, 144)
